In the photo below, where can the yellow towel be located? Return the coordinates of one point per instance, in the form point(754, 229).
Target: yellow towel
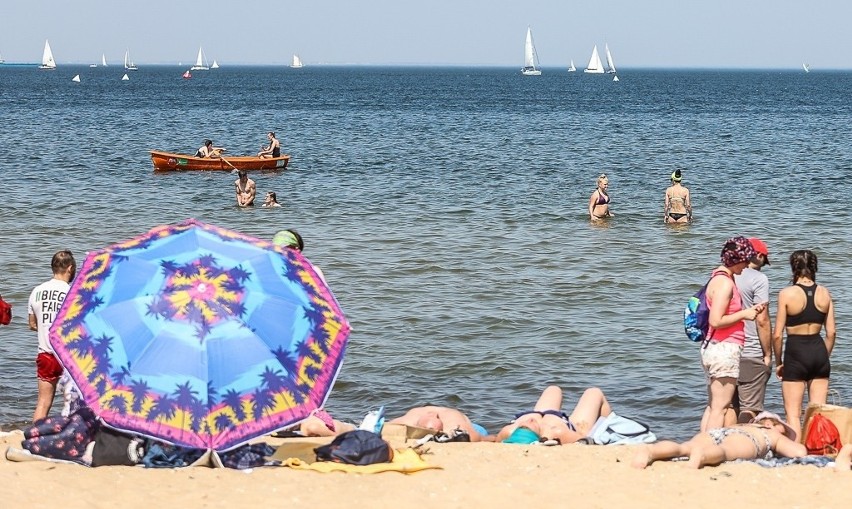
point(404, 460)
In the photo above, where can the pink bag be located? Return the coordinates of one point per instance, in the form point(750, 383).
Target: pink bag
point(5, 312)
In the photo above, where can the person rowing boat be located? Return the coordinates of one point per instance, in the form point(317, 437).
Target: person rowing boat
point(208, 150)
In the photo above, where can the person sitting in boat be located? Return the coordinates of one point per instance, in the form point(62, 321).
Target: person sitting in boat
point(271, 200)
point(271, 150)
point(599, 201)
point(208, 150)
point(246, 190)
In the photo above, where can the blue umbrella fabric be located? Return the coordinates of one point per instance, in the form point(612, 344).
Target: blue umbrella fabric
point(200, 336)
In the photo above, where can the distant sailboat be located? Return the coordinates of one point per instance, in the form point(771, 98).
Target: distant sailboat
point(531, 66)
point(93, 65)
point(615, 78)
point(187, 75)
point(47, 61)
point(609, 63)
point(76, 78)
point(595, 65)
point(128, 64)
point(125, 77)
point(572, 68)
point(1, 59)
point(806, 67)
point(215, 65)
point(200, 62)
point(297, 62)
point(103, 60)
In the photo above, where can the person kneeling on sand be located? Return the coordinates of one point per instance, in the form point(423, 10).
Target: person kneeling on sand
point(438, 418)
point(547, 422)
point(764, 435)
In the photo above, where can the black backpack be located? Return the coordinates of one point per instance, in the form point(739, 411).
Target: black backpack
point(357, 447)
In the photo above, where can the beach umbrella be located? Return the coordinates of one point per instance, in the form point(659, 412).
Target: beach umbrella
point(200, 336)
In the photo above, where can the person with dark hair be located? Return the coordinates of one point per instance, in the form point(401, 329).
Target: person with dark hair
point(804, 309)
point(45, 301)
point(721, 351)
point(271, 150)
point(246, 190)
point(208, 150)
point(678, 208)
point(756, 359)
point(271, 200)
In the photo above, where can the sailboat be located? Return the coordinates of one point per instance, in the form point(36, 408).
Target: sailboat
point(297, 62)
point(609, 63)
point(595, 65)
point(215, 65)
point(76, 78)
point(128, 64)
point(572, 68)
point(806, 67)
point(125, 77)
point(530, 67)
point(200, 63)
point(186, 75)
point(47, 61)
point(103, 60)
point(1, 59)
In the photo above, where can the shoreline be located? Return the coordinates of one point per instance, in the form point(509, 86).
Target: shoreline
point(471, 475)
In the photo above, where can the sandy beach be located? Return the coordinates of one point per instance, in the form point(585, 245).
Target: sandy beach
point(471, 475)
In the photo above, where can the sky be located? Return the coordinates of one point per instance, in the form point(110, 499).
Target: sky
point(753, 34)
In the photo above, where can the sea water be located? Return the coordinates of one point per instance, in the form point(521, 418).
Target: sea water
point(448, 210)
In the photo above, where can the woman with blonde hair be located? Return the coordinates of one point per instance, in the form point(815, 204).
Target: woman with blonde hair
point(599, 201)
point(678, 209)
point(804, 308)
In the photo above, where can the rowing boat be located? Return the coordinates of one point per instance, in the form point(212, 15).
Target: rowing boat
point(167, 161)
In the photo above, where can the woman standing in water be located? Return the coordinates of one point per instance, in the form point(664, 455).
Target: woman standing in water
point(599, 201)
point(678, 209)
point(804, 308)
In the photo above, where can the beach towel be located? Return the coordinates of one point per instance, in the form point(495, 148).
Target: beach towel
point(63, 438)
point(405, 461)
point(618, 430)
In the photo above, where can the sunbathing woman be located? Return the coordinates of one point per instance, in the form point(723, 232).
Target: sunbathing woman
point(547, 421)
point(765, 435)
point(438, 418)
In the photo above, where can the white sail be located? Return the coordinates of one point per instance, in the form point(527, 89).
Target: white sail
point(531, 66)
point(47, 61)
point(609, 63)
point(215, 65)
point(572, 68)
point(297, 62)
point(76, 78)
point(595, 65)
point(615, 78)
point(806, 67)
point(200, 62)
point(125, 77)
point(103, 60)
point(128, 64)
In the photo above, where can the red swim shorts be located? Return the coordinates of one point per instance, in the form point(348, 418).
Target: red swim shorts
point(47, 367)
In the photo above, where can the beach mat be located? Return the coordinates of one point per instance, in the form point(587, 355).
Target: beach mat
point(405, 461)
point(17, 454)
point(301, 450)
point(402, 432)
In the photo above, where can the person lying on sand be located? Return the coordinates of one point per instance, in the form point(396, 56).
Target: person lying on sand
point(764, 435)
point(546, 421)
point(438, 418)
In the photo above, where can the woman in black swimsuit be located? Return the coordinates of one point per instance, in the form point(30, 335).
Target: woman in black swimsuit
point(804, 308)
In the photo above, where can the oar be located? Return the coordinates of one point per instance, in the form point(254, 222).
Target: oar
point(229, 163)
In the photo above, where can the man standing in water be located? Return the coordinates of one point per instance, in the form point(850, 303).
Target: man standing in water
point(246, 190)
point(44, 303)
point(756, 360)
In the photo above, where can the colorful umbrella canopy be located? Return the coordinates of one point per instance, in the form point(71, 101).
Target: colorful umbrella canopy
point(200, 336)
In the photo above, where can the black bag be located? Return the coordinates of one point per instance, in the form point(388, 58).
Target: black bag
point(357, 447)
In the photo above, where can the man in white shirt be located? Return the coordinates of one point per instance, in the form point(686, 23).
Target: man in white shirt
point(45, 301)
